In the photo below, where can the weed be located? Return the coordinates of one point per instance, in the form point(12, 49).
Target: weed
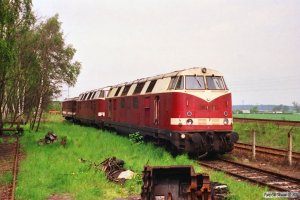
point(136, 138)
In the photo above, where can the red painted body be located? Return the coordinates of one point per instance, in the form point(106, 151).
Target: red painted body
point(171, 105)
point(88, 111)
point(69, 108)
point(197, 121)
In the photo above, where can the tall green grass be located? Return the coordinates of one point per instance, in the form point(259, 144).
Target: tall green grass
point(54, 169)
point(268, 135)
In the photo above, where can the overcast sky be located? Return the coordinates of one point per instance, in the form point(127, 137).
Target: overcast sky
point(255, 44)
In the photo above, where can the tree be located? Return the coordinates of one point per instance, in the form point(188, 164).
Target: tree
point(55, 63)
point(278, 108)
point(34, 61)
point(296, 107)
point(254, 110)
point(15, 16)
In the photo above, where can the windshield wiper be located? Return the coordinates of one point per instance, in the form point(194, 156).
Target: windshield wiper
point(198, 81)
point(218, 84)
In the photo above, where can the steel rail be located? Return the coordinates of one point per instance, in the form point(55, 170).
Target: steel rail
point(252, 174)
point(15, 169)
point(9, 156)
point(266, 150)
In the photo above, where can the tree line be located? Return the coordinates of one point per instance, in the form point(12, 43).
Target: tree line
point(34, 62)
point(268, 108)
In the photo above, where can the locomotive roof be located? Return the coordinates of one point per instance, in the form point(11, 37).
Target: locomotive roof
point(183, 72)
point(103, 88)
point(189, 71)
point(71, 99)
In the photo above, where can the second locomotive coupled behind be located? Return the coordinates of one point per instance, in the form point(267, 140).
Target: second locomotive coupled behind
point(190, 110)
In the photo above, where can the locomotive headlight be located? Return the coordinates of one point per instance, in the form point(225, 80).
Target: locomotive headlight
point(189, 122)
point(225, 121)
point(182, 135)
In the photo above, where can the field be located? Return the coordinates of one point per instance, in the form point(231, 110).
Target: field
point(268, 135)
point(292, 117)
point(54, 169)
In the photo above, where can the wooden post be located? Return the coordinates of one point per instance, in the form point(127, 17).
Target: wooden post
point(290, 147)
point(253, 145)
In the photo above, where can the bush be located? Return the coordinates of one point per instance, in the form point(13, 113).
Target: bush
point(136, 138)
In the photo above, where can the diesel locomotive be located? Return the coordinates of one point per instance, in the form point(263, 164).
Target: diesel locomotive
point(189, 110)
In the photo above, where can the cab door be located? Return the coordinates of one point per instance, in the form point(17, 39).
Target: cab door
point(156, 111)
point(147, 111)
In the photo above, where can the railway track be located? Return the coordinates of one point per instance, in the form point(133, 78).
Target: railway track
point(267, 151)
point(9, 153)
point(255, 175)
point(266, 121)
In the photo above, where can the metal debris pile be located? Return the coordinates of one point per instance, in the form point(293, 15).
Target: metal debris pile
point(220, 191)
point(50, 138)
point(174, 182)
point(114, 170)
point(179, 182)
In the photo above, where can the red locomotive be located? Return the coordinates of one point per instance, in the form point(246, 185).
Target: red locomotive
point(190, 110)
point(69, 108)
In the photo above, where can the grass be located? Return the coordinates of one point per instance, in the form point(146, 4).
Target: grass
point(268, 135)
point(54, 169)
point(6, 178)
point(292, 117)
point(8, 140)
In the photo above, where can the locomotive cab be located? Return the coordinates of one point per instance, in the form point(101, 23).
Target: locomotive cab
point(201, 118)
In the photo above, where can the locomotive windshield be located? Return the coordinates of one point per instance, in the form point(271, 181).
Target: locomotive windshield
point(215, 83)
point(176, 83)
point(194, 83)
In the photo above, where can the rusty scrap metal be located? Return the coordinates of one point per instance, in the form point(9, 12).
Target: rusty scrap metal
point(113, 167)
point(220, 191)
point(178, 182)
point(63, 141)
point(174, 182)
point(49, 138)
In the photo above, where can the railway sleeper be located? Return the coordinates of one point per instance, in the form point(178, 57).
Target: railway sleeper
point(18, 129)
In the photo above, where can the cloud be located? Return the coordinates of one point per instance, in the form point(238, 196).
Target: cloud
point(120, 41)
